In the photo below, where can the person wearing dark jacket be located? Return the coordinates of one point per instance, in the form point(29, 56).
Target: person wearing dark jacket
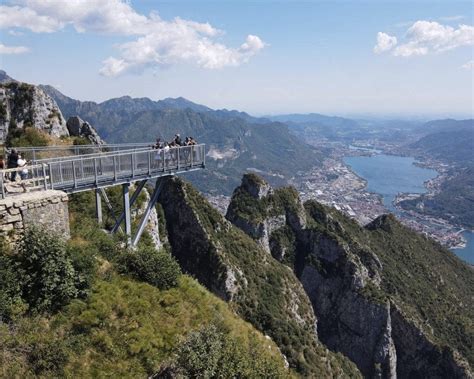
point(13, 163)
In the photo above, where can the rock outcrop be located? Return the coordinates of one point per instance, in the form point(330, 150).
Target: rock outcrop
point(23, 105)
point(80, 128)
point(264, 214)
point(364, 309)
point(263, 291)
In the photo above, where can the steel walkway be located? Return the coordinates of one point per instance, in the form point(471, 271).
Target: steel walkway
point(75, 169)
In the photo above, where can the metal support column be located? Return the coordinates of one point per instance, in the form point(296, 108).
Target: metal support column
point(111, 209)
point(146, 214)
point(132, 201)
point(98, 206)
point(126, 211)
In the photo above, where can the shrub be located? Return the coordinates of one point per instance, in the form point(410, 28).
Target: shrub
point(47, 357)
point(211, 353)
point(10, 289)
point(49, 277)
point(156, 267)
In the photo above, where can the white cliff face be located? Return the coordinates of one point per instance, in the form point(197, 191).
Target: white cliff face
point(152, 226)
point(23, 105)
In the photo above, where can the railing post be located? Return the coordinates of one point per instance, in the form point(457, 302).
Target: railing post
point(45, 181)
point(192, 153)
point(178, 150)
point(2, 185)
point(203, 153)
point(74, 173)
point(149, 162)
point(115, 167)
point(95, 171)
point(50, 177)
point(132, 162)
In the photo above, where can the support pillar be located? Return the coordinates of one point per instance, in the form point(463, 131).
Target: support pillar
point(98, 206)
point(126, 211)
point(119, 220)
point(151, 204)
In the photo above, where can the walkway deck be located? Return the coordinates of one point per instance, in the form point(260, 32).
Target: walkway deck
point(75, 173)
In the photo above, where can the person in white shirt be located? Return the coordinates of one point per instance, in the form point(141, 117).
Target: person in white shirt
point(22, 168)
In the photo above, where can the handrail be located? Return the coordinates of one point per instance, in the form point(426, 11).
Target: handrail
point(91, 155)
point(79, 173)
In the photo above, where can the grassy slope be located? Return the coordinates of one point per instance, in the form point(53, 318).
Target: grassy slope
point(125, 328)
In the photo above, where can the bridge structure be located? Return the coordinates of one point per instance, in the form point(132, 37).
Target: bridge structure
point(74, 169)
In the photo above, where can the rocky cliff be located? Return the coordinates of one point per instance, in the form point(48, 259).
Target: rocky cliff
point(394, 302)
point(259, 288)
point(80, 128)
point(23, 105)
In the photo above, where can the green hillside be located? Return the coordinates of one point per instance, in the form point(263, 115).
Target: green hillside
point(104, 313)
point(365, 282)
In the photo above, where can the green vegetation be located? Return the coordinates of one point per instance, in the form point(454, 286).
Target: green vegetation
point(427, 281)
point(255, 210)
point(42, 275)
point(82, 309)
point(269, 293)
point(211, 353)
point(26, 136)
point(157, 268)
point(454, 202)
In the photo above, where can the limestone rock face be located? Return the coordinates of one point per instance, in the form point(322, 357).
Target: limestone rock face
point(23, 105)
point(255, 186)
point(262, 290)
point(273, 211)
point(80, 128)
point(358, 314)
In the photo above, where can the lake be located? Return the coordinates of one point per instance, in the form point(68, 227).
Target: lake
point(389, 175)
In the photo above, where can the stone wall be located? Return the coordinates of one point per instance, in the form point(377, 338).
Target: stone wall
point(48, 209)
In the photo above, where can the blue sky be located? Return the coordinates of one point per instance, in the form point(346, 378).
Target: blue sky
point(263, 57)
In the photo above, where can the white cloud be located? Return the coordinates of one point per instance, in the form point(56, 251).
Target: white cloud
point(469, 65)
point(7, 50)
point(157, 42)
point(15, 33)
point(19, 17)
point(452, 18)
point(384, 43)
point(425, 37)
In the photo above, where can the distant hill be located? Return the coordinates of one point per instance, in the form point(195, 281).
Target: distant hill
point(448, 140)
point(315, 118)
point(236, 141)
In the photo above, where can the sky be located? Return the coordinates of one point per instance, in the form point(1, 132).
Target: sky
point(378, 58)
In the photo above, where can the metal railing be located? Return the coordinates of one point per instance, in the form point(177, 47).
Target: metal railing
point(74, 174)
point(47, 152)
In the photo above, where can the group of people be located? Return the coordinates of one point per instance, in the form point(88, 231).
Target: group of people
point(166, 152)
point(14, 161)
point(175, 142)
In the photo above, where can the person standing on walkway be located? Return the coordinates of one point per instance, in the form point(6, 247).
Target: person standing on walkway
point(13, 163)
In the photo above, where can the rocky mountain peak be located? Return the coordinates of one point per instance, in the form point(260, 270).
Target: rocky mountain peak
point(255, 186)
point(25, 105)
point(4, 78)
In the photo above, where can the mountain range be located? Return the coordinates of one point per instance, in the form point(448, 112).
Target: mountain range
point(236, 142)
